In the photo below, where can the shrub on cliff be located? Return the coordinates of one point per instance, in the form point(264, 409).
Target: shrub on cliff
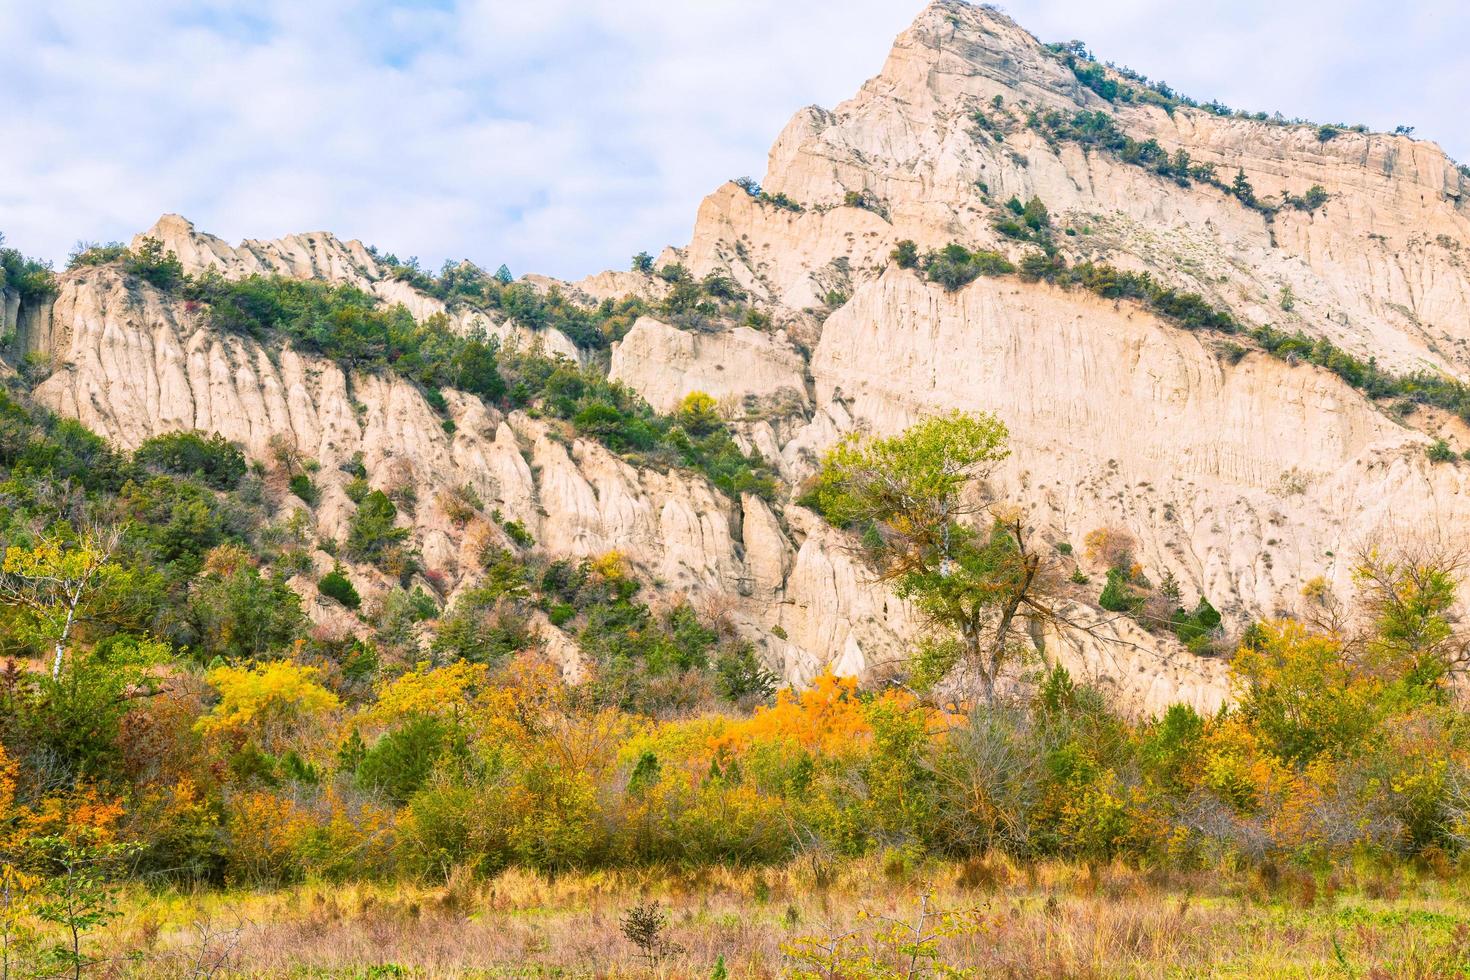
point(335, 585)
point(215, 460)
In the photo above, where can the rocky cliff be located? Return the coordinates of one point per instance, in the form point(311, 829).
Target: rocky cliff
point(1242, 474)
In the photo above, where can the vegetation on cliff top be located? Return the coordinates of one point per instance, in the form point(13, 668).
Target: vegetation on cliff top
point(31, 278)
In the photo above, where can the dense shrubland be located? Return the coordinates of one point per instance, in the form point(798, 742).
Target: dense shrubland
point(188, 686)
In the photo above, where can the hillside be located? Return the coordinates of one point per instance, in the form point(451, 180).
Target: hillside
point(1243, 474)
point(1021, 535)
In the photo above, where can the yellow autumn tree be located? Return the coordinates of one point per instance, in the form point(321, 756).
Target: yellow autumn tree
point(272, 703)
point(1301, 696)
point(431, 691)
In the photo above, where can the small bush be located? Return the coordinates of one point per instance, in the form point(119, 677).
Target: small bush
point(302, 487)
point(740, 675)
point(1314, 198)
point(373, 529)
point(518, 533)
point(1117, 595)
point(1202, 622)
point(1440, 452)
point(906, 254)
point(335, 585)
point(955, 266)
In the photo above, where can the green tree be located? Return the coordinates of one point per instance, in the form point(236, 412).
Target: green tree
point(1117, 596)
point(151, 263)
point(1408, 589)
point(1241, 188)
point(1035, 215)
point(401, 761)
point(475, 369)
point(699, 414)
point(31, 278)
point(374, 527)
point(965, 564)
point(336, 585)
point(243, 615)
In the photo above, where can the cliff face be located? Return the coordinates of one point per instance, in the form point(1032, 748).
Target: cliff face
point(1244, 479)
point(1243, 476)
point(133, 363)
point(1380, 269)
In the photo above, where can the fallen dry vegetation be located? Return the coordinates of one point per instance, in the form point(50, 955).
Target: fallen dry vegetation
point(813, 920)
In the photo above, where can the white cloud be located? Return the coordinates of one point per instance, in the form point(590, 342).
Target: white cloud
point(559, 135)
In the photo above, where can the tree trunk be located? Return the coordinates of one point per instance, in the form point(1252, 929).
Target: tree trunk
point(61, 643)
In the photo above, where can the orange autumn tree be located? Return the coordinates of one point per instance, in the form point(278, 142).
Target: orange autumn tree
point(847, 765)
point(827, 718)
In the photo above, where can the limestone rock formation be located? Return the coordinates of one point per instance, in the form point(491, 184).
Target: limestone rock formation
point(1243, 475)
point(734, 366)
point(1380, 268)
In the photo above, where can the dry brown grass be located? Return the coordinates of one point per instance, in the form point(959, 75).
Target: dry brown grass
point(1044, 920)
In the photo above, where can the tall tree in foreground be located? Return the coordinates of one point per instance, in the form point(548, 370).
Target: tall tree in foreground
point(917, 501)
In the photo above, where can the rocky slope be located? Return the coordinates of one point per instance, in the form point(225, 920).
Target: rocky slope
point(1246, 479)
point(1244, 476)
point(133, 363)
point(1380, 268)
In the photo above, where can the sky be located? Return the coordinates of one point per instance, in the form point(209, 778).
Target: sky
point(562, 136)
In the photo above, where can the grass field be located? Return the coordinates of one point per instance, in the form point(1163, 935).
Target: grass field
point(853, 920)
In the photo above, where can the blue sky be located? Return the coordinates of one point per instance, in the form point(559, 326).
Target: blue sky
point(561, 136)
